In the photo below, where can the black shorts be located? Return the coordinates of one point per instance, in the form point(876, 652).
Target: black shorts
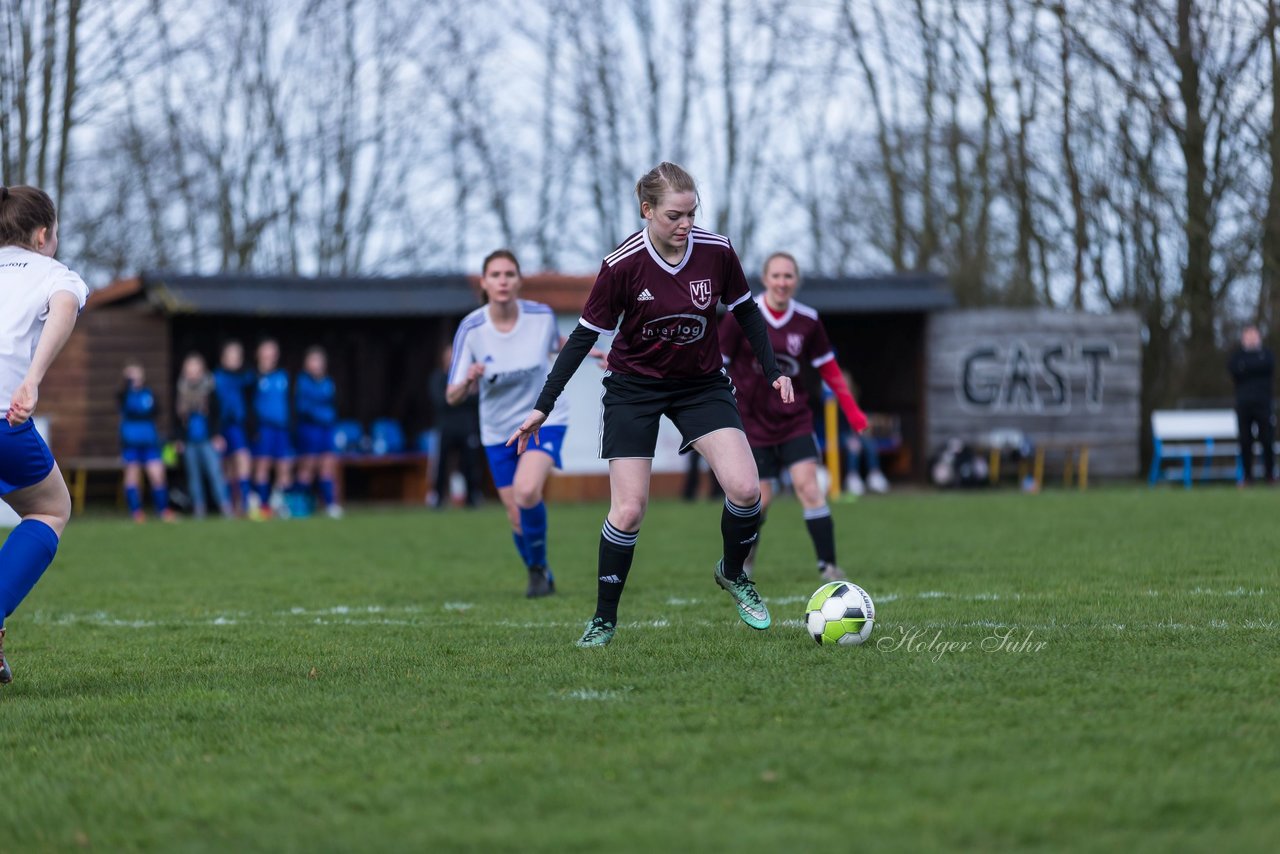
point(633, 405)
point(772, 459)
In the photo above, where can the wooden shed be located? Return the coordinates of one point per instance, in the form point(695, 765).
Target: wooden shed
point(385, 335)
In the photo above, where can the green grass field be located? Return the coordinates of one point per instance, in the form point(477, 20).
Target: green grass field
point(380, 683)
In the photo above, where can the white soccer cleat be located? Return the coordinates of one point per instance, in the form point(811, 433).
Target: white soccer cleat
point(878, 483)
point(854, 486)
point(333, 511)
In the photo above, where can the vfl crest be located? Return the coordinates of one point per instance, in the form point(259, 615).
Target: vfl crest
point(794, 342)
point(700, 293)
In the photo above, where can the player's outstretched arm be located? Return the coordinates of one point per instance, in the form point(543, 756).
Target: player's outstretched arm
point(834, 378)
point(63, 310)
point(571, 355)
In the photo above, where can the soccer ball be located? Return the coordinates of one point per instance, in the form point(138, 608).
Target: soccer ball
point(840, 612)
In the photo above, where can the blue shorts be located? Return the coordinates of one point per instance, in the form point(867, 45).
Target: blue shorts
point(315, 439)
point(233, 435)
point(273, 443)
point(503, 459)
point(140, 453)
point(24, 457)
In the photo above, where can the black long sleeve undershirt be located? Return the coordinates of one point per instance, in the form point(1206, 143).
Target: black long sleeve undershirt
point(752, 323)
point(580, 342)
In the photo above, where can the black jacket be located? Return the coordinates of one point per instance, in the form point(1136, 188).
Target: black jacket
point(1252, 371)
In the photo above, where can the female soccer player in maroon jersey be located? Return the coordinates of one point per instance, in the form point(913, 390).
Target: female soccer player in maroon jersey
point(782, 436)
point(664, 282)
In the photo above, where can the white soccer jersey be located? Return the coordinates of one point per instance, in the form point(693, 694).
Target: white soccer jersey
point(27, 281)
point(516, 364)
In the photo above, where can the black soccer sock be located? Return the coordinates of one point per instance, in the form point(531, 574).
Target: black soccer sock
point(823, 533)
point(616, 550)
point(740, 527)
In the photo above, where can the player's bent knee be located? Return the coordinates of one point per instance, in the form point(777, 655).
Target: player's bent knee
point(528, 496)
point(627, 515)
point(809, 494)
point(742, 493)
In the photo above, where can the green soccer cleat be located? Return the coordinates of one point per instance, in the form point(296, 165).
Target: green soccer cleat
point(599, 632)
point(751, 607)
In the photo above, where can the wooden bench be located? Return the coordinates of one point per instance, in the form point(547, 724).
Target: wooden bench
point(76, 471)
point(385, 477)
point(1202, 441)
point(1075, 464)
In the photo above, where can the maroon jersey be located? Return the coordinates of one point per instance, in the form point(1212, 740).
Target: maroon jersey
point(798, 339)
point(668, 313)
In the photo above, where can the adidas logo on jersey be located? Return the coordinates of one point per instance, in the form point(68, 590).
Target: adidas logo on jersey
point(644, 296)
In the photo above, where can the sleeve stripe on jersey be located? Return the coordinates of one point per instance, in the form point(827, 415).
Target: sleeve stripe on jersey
point(630, 243)
point(701, 235)
point(822, 360)
point(615, 258)
point(807, 311)
point(740, 300)
point(458, 339)
point(710, 242)
point(595, 328)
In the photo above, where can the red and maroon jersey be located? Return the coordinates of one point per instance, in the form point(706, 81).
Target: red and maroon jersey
point(798, 339)
point(668, 313)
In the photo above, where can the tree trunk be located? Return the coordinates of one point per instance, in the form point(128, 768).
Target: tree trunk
point(1078, 217)
point(1271, 221)
point(1203, 363)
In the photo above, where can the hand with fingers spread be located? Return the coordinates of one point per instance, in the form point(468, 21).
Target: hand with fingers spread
point(528, 430)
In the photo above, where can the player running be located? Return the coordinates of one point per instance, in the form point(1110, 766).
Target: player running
point(502, 351)
point(782, 436)
point(39, 301)
point(659, 290)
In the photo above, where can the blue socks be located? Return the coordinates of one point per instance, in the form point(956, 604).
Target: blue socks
point(328, 493)
point(23, 559)
point(521, 547)
point(533, 521)
point(133, 498)
point(160, 496)
point(264, 492)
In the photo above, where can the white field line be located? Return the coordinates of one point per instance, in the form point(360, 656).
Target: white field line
point(335, 617)
point(592, 694)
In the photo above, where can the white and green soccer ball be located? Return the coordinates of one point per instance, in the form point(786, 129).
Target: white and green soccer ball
point(840, 612)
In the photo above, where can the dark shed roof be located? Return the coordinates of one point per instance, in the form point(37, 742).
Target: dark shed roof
point(871, 294)
point(451, 295)
point(294, 296)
